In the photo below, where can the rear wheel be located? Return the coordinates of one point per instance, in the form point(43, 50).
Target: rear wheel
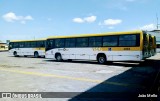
point(101, 59)
point(58, 57)
point(36, 55)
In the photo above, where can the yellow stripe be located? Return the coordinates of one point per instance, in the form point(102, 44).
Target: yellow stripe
point(68, 77)
point(39, 48)
point(117, 49)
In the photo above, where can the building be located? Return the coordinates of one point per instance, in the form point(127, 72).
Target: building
point(3, 46)
point(157, 34)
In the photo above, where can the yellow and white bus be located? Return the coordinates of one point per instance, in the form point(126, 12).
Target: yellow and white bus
point(153, 45)
point(25, 48)
point(113, 46)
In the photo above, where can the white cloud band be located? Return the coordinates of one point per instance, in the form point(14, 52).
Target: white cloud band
point(148, 27)
point(112, 22)
point(89, 19)
point(12, 17)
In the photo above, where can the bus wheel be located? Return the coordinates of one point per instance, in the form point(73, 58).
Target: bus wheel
point(101, 59)
point(58, 57)
point(15, 54)
point(36, 55)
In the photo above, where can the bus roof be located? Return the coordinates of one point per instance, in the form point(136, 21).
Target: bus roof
point(97, 34)
point(28, 40)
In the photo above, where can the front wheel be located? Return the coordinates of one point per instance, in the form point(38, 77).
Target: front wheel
point(102, 59)
point(58, 57)
point(15, 54)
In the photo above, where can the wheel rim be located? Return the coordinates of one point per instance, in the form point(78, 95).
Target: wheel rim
point(59, 58)
point(36, 55)
point(101, 59)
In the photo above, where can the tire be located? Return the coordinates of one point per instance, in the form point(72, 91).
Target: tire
point(101, 59)
point(15, 53)
point(58, 57)
point(36, 55)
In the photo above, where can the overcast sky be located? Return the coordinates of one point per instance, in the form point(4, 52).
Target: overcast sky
point(29, 19)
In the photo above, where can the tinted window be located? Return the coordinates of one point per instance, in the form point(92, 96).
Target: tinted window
point(59, 43)
point(40, 43)
point(11, 45)
point(82, 42)
point(95, 41)
point(21, 44)
point(50, 43)
point(127, 40)
point(110, 41)
point(16, 45)
point(33, 44)
point(70, 42)
point(27, 44)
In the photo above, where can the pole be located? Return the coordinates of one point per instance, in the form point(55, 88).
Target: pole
point(157, 21)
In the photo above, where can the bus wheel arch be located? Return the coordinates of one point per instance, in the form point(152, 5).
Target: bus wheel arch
point(36, 54)
point(101, 58)
point(58, 57)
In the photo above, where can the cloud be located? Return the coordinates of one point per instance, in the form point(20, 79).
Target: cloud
point(12, 17)
point(111, 22)
point(78, 20)
point(89, 19)
point(148, 27)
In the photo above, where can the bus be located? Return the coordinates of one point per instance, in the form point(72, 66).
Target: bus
point(3, 47)
point(26, 48)
point(103, 47)
point(153, 45)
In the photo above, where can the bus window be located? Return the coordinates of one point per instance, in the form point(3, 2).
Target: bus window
point(50, 44)
point(40, 43)
point(110, 40)
point(33, 44)
point(127, 40)
point(21, 44)
point(71, 42)
point(16, 45)
point(95, 41)
point(10, 45)
point(82, 42)
point(59, 43)
point(27, 44)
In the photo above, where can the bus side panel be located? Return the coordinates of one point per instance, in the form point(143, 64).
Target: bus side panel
point(91, 54)
point(49, 54)
point(26, 51)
